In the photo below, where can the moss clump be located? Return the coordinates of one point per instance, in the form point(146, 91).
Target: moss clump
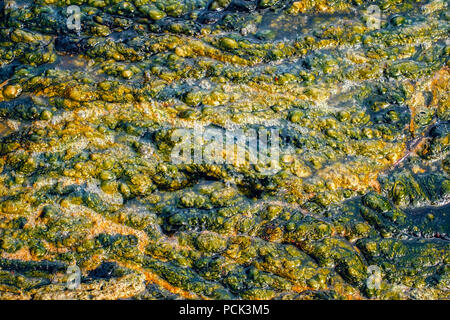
point(209, 242)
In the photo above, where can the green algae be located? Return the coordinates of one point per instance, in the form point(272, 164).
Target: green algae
point(86, 128)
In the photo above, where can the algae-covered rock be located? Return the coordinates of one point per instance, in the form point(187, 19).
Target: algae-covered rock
point(226, 149)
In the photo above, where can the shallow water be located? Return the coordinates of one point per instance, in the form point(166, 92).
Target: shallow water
point(359, 176)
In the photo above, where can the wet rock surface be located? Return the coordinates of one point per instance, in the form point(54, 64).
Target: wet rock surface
point(87, 120)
